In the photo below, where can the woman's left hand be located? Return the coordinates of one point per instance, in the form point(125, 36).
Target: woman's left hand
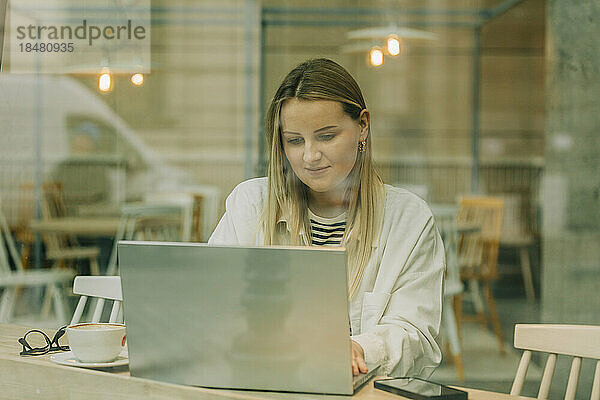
point(358, 359)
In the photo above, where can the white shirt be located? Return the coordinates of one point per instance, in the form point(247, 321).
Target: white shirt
point(396, 313)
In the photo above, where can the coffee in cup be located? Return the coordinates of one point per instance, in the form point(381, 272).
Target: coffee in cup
point(96, 342)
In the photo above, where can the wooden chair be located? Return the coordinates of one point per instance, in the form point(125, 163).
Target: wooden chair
point(61, 250)
point(15, 277)
point(148, 221)
point(577, 341)
point(478, 255)
point(101, 288)
point(64, 250)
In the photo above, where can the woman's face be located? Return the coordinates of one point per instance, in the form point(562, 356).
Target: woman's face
point(321, 142)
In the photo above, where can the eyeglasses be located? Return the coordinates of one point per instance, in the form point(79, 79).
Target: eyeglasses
point(51, 345)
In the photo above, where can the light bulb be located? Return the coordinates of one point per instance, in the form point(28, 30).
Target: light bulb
point(376, 56)
point(105, 82)
point(393, 45)
point(137, 79)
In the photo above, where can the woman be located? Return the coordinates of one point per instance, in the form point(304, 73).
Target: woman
point(322, 189)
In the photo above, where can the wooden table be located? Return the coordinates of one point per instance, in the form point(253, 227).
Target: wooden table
point(38, 377)
point(84, 226)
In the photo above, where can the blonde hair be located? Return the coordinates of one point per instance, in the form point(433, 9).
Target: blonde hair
point(322, 79)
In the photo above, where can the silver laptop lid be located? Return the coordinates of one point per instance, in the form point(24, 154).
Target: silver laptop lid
point(265, 318)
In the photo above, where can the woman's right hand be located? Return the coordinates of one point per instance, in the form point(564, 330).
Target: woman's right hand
point(358, 359)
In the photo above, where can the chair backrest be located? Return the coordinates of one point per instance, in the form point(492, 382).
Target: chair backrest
point(148, 221)
point(155, 221)
point(53, 201)
point(577, 341)
point(517, 220)
point(7, 243)
point(485, 212)
point(52, 198)
point(182, 199)
point(53, 206)
point(102, 288)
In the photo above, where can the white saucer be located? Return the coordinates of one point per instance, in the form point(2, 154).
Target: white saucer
point(68, 358)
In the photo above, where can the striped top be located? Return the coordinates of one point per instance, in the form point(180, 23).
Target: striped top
point(327, 231)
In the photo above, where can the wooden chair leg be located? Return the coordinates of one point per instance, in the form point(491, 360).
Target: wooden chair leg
point(25, 254)
point(458, 364)
point(458, 314)
point(494, 315)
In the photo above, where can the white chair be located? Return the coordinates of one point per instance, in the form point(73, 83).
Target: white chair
point(181, 199)
point(13, 279)
point(148, 221)
point(101, 288)
point(518, 234)
point(578, 341)
point(445, 217)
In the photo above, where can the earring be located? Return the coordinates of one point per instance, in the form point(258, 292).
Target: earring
point(362, 146)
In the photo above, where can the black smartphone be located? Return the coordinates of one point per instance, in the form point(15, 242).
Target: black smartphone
point(419, 389)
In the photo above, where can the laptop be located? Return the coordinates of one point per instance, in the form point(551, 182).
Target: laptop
point(257, 318)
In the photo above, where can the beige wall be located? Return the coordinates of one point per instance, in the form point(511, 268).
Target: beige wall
point(513, 70)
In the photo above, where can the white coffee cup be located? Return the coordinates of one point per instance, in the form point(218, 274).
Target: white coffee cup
point(96, 342)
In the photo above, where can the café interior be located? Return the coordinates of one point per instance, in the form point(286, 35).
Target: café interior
point(486, 109)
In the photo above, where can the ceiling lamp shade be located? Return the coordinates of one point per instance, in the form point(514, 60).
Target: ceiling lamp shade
point(385, 31)
point(359, 47)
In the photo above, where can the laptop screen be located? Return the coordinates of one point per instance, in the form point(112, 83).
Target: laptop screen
point(264, 318)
